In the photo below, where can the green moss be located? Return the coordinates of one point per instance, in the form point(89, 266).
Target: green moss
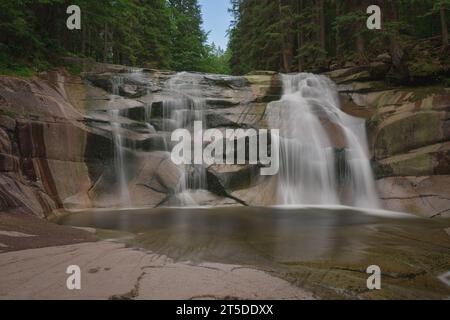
point(422, 93)
point(73, 68)
point(8, 113)
point(16, 71)
point(419, 165)
point(409, 133)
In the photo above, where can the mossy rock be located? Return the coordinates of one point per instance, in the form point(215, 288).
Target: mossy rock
point(427, 161)
point(410, 132)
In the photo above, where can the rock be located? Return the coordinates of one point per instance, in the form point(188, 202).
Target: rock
point(132, 91)
point(261, 73)
point(18, 194)
point(221, 103)
point(214, 120)
point(7, 122)
point(127, 87)
point(426, 196)
point(200, 198)
point(384, 57)
point(264, 192)
point(249, 115)
point(156, 277)
point(234, 177)
point(426, 161)
point(350, 74)
point(266, 87)
point(359, 76)
point(378, 70)
point(350, 64)
point(227, 81)
point(407, 131)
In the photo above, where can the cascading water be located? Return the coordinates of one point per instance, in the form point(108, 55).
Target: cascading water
point(323, 158)
point(181, 111)
point(119, 157)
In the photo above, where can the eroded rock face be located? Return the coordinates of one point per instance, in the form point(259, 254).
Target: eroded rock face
point(42, 145)
point(57, 145)
point(424, 195)
point(409, 136)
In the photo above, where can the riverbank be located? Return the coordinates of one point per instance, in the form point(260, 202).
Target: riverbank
point(21, 231)
point(34, 268)
point(324, 250)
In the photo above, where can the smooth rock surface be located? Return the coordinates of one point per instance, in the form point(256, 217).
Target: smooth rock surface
point(112, 271)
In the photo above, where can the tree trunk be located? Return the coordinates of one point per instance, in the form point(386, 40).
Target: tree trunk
point(322, 34)
point(338, 35)
point(300, 37)
point(444, 25)
point(105, 49)
point(286, 38)
point(360, 43)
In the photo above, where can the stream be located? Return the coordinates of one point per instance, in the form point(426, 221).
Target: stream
point(324, 249)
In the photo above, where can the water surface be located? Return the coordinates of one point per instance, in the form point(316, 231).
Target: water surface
point(324, 249)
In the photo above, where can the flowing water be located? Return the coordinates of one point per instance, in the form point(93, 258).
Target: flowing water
point(119, 157)
point(323, 158)
point(323, 249)
point(186, 106)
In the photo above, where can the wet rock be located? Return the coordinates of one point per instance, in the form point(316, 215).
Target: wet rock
point(384, 57)
point(214, 120)
point(157, 178)
point(378, 70)
point(409, 131)
point(227, 81)
point(221, 103)
point(266, 86)
point(425, 195)
point(7, 122)
point(234, 177)
point(429, 160)
point(132, 91)
point(263, 192)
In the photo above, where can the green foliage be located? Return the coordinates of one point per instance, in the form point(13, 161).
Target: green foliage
point(215, 60)
point(309, 35)
point(157, 33)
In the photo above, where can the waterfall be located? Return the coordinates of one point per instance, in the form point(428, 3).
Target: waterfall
point(119, 157)
point(186, 106)
point(323, 156)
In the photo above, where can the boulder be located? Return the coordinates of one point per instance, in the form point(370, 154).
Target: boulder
point(384, 57)
point(426, 161)
point(425, 195)
point(266, 87)
point(378, 70)
point(408, 131)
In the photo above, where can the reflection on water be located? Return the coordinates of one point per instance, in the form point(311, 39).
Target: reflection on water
point(249, 234)
point(324, 250)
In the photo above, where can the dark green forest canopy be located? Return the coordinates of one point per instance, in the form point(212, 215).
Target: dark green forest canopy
point(152, 33)
point(278, 35)
point(314, 35)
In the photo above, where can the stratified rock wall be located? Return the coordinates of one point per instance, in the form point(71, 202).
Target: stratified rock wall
point(45, 156)
point(409, 138)
point(57, 148)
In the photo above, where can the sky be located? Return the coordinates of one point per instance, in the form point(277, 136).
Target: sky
point(216, 20)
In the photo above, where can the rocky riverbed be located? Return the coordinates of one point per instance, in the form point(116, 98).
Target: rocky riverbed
point(58, 147)
point(115, 271)
point(57, 138)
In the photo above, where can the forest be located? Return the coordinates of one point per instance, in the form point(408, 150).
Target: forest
point(151, 33)
point(316, 35)
point(278, 35)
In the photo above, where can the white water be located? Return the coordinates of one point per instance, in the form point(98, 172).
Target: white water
point(186, 106)
point(312, 128)
point(119, 157)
